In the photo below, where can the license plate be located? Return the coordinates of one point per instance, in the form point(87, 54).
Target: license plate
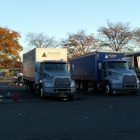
point(130, 90)
point(62, 94)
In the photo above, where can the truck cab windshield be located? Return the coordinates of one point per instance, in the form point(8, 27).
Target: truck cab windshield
point(117, 64)
point(55, 66)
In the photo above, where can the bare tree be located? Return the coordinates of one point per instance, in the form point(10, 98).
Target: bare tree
point(40, 40)
point(116, 36)
point(137, 36)
point(79, 43)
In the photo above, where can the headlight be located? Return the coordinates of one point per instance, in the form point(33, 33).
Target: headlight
point(115, 81)
point(73, 83)
point(47, 84)
point(138, 80)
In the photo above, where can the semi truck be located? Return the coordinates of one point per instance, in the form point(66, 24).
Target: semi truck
point(45, 70)
point(104, 71)
point(134, 59)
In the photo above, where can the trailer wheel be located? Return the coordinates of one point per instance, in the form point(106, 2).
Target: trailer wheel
point(95, 87)
point(26, 85)
point(108, 88)
point(77, 84)
point(83, 86)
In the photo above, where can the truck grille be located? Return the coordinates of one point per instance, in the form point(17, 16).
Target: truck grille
point(129, 79)
point(62, 82)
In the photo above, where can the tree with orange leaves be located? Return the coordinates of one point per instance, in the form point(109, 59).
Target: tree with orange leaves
point(80, 43)
point(9, 46)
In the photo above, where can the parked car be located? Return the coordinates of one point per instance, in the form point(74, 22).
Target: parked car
point(18, 77)
point(2, 73)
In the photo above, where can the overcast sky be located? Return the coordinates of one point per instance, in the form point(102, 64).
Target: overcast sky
point(56, 18)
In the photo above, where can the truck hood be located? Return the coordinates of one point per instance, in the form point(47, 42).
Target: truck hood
point(57, 73)
point(122, 71)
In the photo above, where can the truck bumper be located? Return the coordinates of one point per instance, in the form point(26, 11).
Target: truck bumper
point(59, 92)
point(128, 88)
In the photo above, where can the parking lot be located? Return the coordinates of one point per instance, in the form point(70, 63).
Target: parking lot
point(89, 116)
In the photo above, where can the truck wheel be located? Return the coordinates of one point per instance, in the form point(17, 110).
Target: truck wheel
point(77, 84)
point(95, 87)
point(29, 86)
point(108, 88)
point(26, 85)
point(81, 86)
point(41, 93)
point(133, 92)
point(70, 97)
point(84, 86)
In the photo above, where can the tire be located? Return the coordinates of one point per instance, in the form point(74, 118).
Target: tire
point(95, 87)
point(133, 92)
point(70, 97)
point(81, 85)
point(26, 85)
point(77, 85)
point(30, 86)
point(107, 88)
point(84, 86)
point(41, 93)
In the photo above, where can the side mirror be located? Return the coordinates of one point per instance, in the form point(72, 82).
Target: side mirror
point(72, 67)
point(131, 66)
point(36, 67)
point(99, 66)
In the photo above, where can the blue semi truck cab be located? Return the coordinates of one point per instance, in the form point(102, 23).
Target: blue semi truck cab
point(107, 71)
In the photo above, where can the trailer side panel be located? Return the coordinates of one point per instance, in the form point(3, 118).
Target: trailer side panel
point(85, 67)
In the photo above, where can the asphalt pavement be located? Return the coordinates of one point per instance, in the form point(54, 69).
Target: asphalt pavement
point(90, 116)
point(9, 89)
